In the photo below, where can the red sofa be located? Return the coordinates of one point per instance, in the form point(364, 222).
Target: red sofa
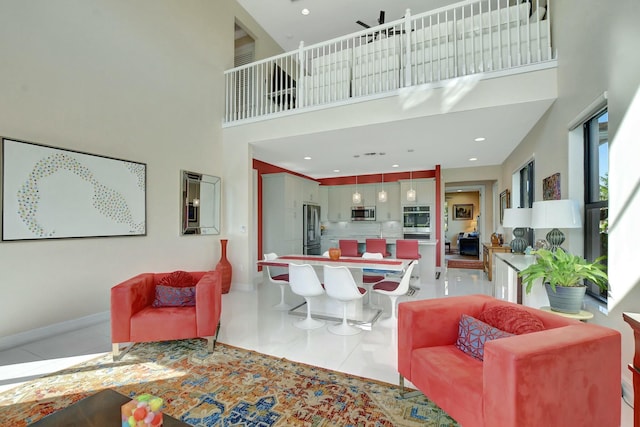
point(134, 319)
point(568, 374)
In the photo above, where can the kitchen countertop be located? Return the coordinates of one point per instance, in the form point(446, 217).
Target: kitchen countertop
point(390, 241)
point(518, 261)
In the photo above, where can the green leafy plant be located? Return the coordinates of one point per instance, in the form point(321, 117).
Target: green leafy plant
point(559, 268)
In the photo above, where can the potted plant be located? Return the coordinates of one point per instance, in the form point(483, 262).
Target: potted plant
point(563, 275)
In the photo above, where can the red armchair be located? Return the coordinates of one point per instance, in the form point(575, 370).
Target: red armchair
point(565, 375)
point(134, 319)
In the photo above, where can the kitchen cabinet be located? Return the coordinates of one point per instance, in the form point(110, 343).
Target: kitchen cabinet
point(283, 196)
point(369, 194)
point(340, 202)
point(310, 191)
point(425, 192)
point(323, 194)
point(390, 210)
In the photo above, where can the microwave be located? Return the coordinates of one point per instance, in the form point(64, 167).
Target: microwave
point(363, 213)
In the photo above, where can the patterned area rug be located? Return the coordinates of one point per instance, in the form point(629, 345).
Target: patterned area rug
point(231, 387)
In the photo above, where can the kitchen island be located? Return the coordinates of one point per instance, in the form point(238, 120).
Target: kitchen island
point(427, 248)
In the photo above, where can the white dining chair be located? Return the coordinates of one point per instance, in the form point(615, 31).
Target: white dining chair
point(393, 289)
point(304, 282)
point(280, 279)
point(340, 285)
point(369, 276)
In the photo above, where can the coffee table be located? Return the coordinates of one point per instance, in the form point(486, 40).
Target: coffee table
point(100, 409)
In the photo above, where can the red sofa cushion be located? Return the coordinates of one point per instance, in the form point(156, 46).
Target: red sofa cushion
point(177, 279)
point(511, 319)
point(473, 334)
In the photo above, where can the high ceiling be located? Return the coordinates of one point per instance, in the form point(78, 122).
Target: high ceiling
point(415, 144)
point(327, 19)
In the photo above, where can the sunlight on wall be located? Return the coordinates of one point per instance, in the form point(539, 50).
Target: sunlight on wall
point(624, 205)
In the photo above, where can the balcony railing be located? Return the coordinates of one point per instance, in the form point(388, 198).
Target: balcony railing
point(469, 37)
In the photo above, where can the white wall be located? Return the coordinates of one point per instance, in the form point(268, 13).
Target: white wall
point(597, 52)
point(141, 81)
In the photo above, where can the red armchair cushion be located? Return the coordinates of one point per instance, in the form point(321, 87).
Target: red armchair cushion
point(177, 279)
point(473, 334)
point(170, 296)
point(511, 319)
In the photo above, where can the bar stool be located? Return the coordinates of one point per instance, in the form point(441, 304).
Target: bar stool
point(281, 279)
point(377, 245)
point(340, 285)
point(408, 249)
point(348, 247)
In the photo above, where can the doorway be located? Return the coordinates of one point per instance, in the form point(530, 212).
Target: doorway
point(463, 228)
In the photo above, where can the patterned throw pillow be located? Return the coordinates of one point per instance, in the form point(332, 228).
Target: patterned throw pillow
point(177, 279)
point(473, 334)
point(171, 296)
point(511, 319)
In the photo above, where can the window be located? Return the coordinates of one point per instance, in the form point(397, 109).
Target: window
point(523, 187)
point(596, 194)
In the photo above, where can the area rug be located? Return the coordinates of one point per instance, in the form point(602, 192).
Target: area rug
point(465, 263)
point(231, 387)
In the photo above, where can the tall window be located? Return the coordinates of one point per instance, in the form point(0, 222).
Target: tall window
point(596, 195)
point(523, 183)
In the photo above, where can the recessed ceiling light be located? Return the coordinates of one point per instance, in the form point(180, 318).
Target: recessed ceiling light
point(479, 139)
point(305, 11)
point(473, 159)
point(336, 170)
point(307, 158)
point(395, 166)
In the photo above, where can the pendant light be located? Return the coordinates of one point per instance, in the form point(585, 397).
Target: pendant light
point(356, 197)
point(411, 193)
point(382, 195)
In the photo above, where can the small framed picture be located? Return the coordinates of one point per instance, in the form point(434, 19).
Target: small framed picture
point(463, 212)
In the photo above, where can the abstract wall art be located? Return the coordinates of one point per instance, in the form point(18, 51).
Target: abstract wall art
point(52, 193)
point(551, 187)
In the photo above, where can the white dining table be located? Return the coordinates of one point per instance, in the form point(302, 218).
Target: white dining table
point(329, 309)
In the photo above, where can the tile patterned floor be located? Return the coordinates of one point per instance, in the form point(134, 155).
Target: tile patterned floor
point(250, 322)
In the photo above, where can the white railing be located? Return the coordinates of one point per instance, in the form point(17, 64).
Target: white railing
point(470, 37)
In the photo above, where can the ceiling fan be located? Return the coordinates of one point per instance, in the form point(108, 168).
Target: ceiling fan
point(380, 20)
point(386, 32)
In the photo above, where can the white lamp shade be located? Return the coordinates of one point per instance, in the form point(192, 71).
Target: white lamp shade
point(356, 198)
point(411, 195)
point(382, 196)
point(517, 217)
point(556, 214)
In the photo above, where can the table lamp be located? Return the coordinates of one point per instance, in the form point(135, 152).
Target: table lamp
point(519, 219)
point(555, 214)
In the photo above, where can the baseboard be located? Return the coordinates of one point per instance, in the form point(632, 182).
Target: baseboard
point(627, 391)
point(37, 334)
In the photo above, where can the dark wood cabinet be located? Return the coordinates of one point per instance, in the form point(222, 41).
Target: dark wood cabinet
point(469, 246)
point(633, 319)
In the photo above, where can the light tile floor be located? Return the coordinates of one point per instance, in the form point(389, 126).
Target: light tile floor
point(249, 322)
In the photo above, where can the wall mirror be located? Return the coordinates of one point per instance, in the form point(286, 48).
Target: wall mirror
point(200, 203)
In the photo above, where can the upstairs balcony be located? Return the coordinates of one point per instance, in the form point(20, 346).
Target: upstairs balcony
point(476, 39)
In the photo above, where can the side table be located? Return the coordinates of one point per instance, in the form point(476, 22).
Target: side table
point(487, 257)
point(583, 315)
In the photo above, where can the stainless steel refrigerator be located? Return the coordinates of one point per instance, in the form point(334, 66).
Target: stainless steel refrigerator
point(311, 230)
